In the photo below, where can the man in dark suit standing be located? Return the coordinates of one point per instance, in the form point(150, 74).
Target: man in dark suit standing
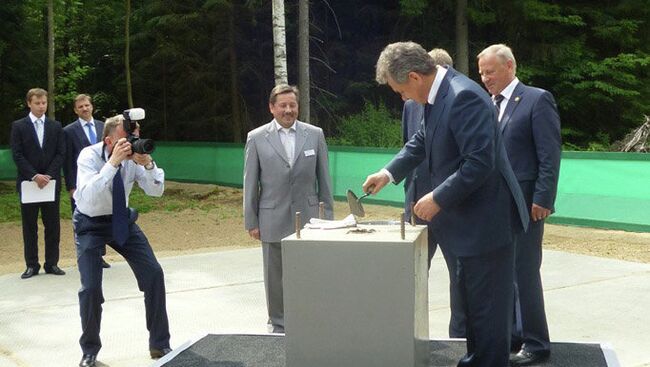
point(530, 125)
point(475, 206)
point(79, 134)
point(417, 184)
point(38, 149)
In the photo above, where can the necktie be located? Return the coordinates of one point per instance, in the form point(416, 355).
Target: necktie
point(497, 102)
point(92, 137)
point(39, 131)
point(289, 146)
point(120, 211)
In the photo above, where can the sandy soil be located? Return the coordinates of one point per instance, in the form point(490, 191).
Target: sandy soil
point(173, 233)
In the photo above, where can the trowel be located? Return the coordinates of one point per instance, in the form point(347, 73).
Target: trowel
point(355, 203)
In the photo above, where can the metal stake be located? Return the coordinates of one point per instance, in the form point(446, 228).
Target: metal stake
point(412, 213)
point(298, 225)
point(402, 230)
point(321, 210)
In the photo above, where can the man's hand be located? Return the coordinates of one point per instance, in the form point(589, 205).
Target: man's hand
point(121, 151)
point(538, 213)
point(426, 208)
point(71, 191)
point(42, 180)
point(142, 159)
point(255, 233)
point(375, 182)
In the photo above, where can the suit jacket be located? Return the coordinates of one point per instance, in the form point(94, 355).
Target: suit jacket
point(274, 190)
point(481, 203)
point(75, 141)
point(30, 157)
point(531, 133)
point(418, 182)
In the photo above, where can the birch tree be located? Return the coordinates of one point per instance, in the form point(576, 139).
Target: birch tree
point(303, 59)
point(50, 59)
point(279, 42)
point(127, 54)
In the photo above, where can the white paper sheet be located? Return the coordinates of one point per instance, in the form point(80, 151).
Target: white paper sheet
point(31, 193)
point(348, 221)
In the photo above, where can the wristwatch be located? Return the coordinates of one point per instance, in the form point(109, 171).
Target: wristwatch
point(150, 165)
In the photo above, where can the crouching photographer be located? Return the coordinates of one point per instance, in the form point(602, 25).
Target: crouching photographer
point(105, 177)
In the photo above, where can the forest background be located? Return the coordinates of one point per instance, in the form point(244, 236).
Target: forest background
point(203, 69)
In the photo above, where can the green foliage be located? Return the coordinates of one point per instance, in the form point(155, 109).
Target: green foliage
point(413, 8)
point(593, 56)
point(372, 127)
point(172, 200)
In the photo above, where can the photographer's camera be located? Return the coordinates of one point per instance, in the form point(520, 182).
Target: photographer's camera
point(138, 145)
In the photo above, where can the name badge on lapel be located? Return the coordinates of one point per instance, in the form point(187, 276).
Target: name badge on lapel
point(309, 152)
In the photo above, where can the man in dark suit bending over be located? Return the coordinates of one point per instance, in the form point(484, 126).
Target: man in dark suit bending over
point(475, 205)
point(416, 185)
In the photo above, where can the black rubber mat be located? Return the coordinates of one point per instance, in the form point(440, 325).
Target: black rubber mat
point(268, 351)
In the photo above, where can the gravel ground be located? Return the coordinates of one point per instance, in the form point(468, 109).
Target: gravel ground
point(173, 233)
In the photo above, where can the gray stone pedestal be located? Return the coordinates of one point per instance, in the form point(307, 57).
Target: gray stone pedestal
point(356, 299)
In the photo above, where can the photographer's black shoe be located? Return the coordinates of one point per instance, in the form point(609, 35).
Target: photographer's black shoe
point(159, 353)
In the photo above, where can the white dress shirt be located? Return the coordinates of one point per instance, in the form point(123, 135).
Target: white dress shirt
point(507, 94)
point(433, 92)
point(94, 194)
point(288, 139)
point(84, 125)
point(39, 126)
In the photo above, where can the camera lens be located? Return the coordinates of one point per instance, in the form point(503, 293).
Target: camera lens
point(143, 146)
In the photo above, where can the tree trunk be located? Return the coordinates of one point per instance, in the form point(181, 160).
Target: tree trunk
point(462, 48)
point(164, 101)
point(50, 59)
point(303, 60)
point(279, 43)
point(127, 54)
point(234, 80)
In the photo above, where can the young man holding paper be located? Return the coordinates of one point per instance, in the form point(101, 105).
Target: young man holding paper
point(38, 149)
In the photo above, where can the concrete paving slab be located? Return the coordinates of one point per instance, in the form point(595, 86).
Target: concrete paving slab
point(588, 299)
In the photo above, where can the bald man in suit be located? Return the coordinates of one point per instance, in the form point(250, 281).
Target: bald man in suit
point(530, 125)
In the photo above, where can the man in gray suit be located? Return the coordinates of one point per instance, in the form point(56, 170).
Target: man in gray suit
point(285, 171)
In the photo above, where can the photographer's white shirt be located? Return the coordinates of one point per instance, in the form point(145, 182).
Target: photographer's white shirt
point(94, 193)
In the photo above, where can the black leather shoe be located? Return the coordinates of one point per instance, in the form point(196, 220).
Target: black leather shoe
point(467, 360)
point(29, 272)
point(105, 265)
point(55, 270)
point(88, 360)
point(158, 353)
point(525, 358)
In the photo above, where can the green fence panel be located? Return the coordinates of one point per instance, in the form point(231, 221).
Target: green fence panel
point(7, 166)
point(606, 190)
point(349, 168)
point(217, 163)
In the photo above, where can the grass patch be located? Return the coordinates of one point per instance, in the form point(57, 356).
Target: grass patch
point(173, 200)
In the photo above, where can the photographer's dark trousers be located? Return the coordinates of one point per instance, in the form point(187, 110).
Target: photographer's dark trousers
point(91, 235)
point(73, 205)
